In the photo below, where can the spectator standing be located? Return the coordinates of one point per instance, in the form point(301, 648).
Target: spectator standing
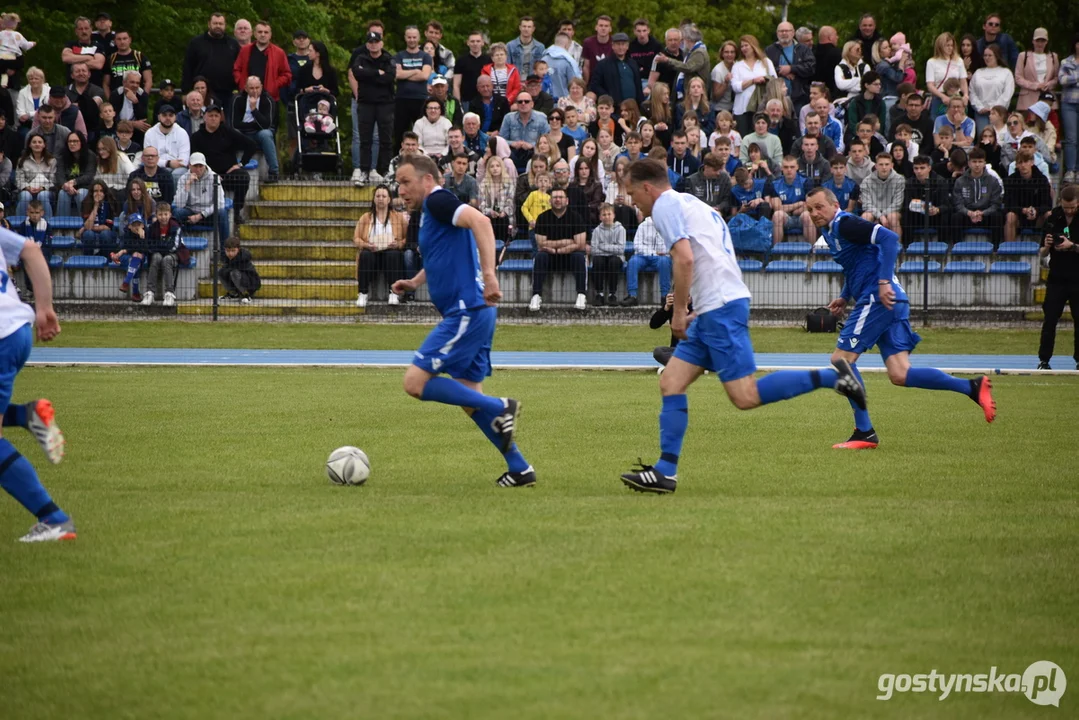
point(722, 93)
point(1062, 288)
point(413, 69)
point(172, 142)
point(83, 50)
point(12, 47)
point(794, 63)
point(103, 35)
point(266, 61)
point(219, 145)
point(569, 29)
point(990, 86)
point(212, 56)
point(521, 129)
point(505, 78)
point(643, 48)
point(748, 78)
point(867, 34)
point(443, 55)
point(617, 75)
point(944, 65)
point(664, 72)
point(1036, 71)
point(597, 47)
point(563, 69)
point(242, 32)
point(524, 50)
point(827, 55)
point(159, 183)
point(867, 102)
point(469, 67)
point(379, 237)
point(848, 73)
point(123, 60)
point(371, 77)
point(992, 35)
point(132, 103)
point(560, 245)
point(1069, 110)
point(696, 63)
point(87, 97)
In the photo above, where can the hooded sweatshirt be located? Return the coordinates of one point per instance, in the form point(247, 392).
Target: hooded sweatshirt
point(982, 193)
point(609, 240)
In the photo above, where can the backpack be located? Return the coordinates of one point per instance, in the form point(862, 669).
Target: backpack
point(821, 320)
point(749, 234)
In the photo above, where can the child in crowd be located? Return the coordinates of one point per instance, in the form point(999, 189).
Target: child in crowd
point(725, 128)
point(238, 274)
point(608, 252)
point(319, 120)
point(124, 132)
point(748, 195)
point(35, 227)
point(759, 167)
point(865, 131)
point(538, 201)
point(904, 135)
point(164, 243)
point(573, 128)
point(12, 46)
point(106, 125)
point(998, 116)
point(945, 144)
point(133, 243)
point(605, 119)
point(4, 222)
point(845, 190)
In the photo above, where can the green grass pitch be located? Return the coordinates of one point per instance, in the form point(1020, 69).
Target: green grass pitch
point(218, 573)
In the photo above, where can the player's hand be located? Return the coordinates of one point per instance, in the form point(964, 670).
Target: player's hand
point(491, 292)
point(669, 302)
point(47, 324)
point(837, 306)
point(679, 322)
point(887, 295)
point(402, 287)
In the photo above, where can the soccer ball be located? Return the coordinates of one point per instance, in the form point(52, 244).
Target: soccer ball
point(348, 466)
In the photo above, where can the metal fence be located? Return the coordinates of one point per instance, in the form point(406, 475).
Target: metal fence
point(300, 235)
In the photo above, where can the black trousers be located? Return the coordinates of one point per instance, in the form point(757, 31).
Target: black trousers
point(238, 282)
point(391, 263)
point(367, 115)
point(994, 223)
point(237, 182)
point(573, 262)
point(1057, 293)
point(405, 115)
point(606, 271)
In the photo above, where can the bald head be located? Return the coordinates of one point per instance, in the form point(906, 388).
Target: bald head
point(785, 33)
point(827, 35)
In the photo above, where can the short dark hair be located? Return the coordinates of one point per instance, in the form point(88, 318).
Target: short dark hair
point(566, 21)
point(869, 77)
point(232, 243)
point(838, 160)
point(46, 108)
point(35, 205)
point(555, 189)
point(679, 134)
point(976, 154)
point(1029, 140)
point(649, 171)
point(1070, 193)
point(526, 17)
point(958, 157)
point(722, 141)
point(1022, 156)
point(923, 160)
point(884, 156)
point(712, 160)
point(633, 135)
point(409, 135)
point(433, 24)
point(641, 21)
point(906, 88)
point(904, 128)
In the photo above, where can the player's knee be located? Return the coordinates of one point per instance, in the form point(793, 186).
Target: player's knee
point(745, 401)
point(898, 375)
point(414, 384)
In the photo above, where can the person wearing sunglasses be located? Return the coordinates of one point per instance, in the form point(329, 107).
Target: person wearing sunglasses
point(521, 129)
point(993, 34)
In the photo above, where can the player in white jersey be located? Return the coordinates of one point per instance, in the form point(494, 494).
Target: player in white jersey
point(17, 475)
point(716, 337)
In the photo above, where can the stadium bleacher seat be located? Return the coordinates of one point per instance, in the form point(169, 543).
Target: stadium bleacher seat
point(972, 247)
point(196, 244)
point(797, 247)
point(498, 246)
point(85, 262)
point(935, 247)
point(748, 265)
point(924, 231)
point(521, 246)
point(629, 248)
point(965, 266)
point(826, 266)
point(918, 266)
point(65, 223)
point(63, 242)
point(56, 261)
point(1018, 247)
point(792, 231)
point(786, 266)
point(518, 265)
point(16, 219)
point(971, 234)
point(1010, 267)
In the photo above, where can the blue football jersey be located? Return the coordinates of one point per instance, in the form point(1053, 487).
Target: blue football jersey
point(742, 195)
point(854, 243)
point(789, 193)
point(844, 193)
point(450, 257)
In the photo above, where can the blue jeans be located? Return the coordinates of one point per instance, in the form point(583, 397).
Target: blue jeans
point(182, 215)
point(70, 205)
point(980, 123)
point(649, 263)
point(265, 140)
point(99, 243)
point(413, 263)
point(1069, 118)
point(26, 196)
point(356, 140)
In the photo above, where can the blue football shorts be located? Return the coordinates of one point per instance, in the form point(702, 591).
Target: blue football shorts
point(719, 341)
point(14, 352)
point(460, 345)
point(871, 324)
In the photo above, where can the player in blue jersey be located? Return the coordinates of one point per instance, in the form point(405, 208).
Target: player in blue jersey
point(17, 475)
point(457, 244)
point(881, 316)
point(717, 338)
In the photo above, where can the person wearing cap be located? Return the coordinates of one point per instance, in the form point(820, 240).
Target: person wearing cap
point(83, 49)
point(1036, 71)
point(219, 143)
point(1069, 109)
point(696, 62)
point(67, 114)
point(617, 75)
point(992, 34)
point(87, 96)
point(196, 194)
point(211, 55)
point(103, 36)
point(524, 50)
point(1037, 124)
point(265, 61)
point(171, 140)
point(123, 59)
point(451, 106)
point(297, 60)
point(371, 78)
point(132, 103)
point(541, 101)
point(255, 115)
point(166, 95)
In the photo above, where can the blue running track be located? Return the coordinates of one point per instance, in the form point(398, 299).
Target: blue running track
point(44, 355)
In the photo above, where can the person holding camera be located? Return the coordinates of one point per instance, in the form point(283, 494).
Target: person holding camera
point(1061, 232)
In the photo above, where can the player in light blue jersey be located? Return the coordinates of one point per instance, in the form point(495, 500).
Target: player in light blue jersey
point(457, 244)
point(881, 316)
point(17, 475)
point(716, 339)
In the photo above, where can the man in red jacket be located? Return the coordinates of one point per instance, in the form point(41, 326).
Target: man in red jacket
point(265, 61)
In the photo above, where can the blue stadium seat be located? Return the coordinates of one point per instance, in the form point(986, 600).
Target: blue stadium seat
point(63, 242)
point(1019, 247)
point(924, 231)
point(976, 231)
point(935, 248)
point(521, 246)
point(56, 261)
point(1012, 267)
point(65, 223)
point(791, 248)
point(792, 231)
point(629, 248)
point(826, 266)
point(918, 266)
point(194, 244)
point(972, 247)
point(86, 262)
point(252, 164)
point(786, 266)
point(191, 264)
point(1031, 231)
point(498, 245)
point(749, 265)
point(518, 265)
point(965, 266)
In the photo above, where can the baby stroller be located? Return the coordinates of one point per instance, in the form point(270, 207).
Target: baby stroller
point(318, 148)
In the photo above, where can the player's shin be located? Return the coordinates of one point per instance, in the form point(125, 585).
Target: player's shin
point(933, 379)
point(450, 392)
point(861, 417)
point(673, 421)
point(15, 416)
point(515, 461)
point(786, 384)
point(18, 478)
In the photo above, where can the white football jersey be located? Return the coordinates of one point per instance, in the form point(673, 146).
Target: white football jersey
point(717, 279)
point(14, 313)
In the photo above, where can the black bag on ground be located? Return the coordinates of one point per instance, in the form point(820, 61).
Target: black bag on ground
point(821, 320)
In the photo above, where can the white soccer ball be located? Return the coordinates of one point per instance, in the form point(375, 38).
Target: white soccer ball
point(348, 466)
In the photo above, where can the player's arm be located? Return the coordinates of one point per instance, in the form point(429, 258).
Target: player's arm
point(35, 265)
point(682, 278)
point(863, 232)
point(468, 217)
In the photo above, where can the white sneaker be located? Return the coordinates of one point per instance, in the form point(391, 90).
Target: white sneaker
point(361, 300)
point(358, 177)
point(1069, 177)
point(581, 302)
point(148, 297)
point(245, 300)
point(375, 179)
point(394, 299)
point(170, 300)
point(535, 303)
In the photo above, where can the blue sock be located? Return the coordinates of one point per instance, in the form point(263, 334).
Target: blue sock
point(673, 421)
point(933, 379)
point(786, 384)
point(15, 416)
point(515, 461)
point(135, 285)
point(861, 417)
point(18, 478)
point(133, 265)
point(451, 392)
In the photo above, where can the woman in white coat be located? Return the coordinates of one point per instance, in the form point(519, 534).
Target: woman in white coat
point(747, 75)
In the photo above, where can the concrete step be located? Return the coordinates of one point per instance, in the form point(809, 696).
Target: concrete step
point(301, 270)
point(326, 191)
point(296, 290)
point(292, 230)
point(263, 250)
point(308, 210)
point(263, 307)
point(1039, 295)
